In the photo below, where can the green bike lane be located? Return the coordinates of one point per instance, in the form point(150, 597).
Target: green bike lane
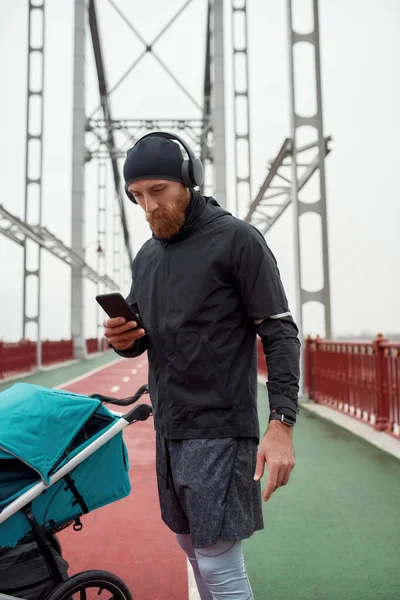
point(333, 532)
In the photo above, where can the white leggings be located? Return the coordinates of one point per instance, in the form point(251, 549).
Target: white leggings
point(219, 570)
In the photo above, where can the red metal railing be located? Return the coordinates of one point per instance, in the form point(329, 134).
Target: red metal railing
point(92, 345)
point(361, 379)
point(54, 352)
point(16, 357)
point(20, 357)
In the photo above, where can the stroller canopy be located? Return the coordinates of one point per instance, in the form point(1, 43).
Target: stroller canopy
point(41, 429)
point(37, 424)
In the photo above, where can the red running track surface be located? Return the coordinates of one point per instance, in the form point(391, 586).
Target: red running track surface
point(128, 537)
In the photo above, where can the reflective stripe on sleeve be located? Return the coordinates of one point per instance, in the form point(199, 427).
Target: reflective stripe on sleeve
point(280, 316)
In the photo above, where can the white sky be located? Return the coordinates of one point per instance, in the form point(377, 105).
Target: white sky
point(360, 47)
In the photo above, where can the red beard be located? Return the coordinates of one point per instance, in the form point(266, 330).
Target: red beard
point(165, 222)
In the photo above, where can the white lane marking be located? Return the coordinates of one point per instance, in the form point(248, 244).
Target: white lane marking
point(134, 371)
point(87, 374)
point(114, 388)
point(193, 591)
point(126, 379)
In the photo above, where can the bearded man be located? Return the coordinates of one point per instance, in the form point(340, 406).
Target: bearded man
point(205, 284)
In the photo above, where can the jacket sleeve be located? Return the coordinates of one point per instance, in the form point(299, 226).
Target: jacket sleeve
point(259, 282)
point(141, 344)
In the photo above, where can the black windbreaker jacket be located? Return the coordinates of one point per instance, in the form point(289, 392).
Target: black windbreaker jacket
point(202, 296)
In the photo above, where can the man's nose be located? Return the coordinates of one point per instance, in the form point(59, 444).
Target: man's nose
point(149, 204)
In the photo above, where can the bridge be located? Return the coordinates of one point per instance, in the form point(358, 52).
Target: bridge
point(251, 87)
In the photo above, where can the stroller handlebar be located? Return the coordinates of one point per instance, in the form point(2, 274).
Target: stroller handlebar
point(123, 401)
point(141, 412)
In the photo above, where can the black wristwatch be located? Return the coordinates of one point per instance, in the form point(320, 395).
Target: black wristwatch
point(282, 417)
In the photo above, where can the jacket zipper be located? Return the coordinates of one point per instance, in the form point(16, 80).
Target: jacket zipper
point(163, 320)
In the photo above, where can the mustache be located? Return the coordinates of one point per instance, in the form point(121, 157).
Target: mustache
point(159, 213)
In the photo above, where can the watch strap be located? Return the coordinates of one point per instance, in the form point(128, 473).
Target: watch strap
point(283, 418)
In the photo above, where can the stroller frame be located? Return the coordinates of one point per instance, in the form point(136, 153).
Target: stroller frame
point(141, 412)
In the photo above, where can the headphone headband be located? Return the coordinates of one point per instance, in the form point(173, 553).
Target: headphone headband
point(170, 136)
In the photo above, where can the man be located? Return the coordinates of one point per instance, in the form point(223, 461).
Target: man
point(204, 285)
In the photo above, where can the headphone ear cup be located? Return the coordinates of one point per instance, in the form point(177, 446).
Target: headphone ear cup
point(185, 174)
point(198, 172)
point(130, 196)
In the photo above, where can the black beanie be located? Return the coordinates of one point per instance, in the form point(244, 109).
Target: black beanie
point(153, 158)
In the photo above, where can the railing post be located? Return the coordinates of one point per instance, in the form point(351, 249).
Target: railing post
point(316, 369)
point(308, 360)
point(382, 401)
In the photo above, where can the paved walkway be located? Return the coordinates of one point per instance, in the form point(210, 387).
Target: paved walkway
point(330, 534)
point(333, 532)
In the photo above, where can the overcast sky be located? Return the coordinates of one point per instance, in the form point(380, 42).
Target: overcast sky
point(360, 47)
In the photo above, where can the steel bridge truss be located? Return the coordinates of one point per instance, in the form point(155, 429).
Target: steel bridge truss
point(100, 137)
point(293, 168)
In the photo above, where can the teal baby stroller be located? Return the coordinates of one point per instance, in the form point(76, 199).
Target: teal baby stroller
point(61, 456)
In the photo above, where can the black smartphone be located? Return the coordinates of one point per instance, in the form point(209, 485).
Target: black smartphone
point(115, 305)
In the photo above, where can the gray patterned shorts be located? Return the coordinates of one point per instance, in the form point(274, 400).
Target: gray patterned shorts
point(206, 488)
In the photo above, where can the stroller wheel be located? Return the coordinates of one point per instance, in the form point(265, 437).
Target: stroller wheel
point(98, 581)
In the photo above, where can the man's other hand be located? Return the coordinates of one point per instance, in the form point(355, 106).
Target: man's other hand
point(276, 449)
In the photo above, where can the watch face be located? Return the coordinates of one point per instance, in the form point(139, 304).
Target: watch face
point(286, 416)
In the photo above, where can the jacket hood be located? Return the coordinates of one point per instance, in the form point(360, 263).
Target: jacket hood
point(200, 211)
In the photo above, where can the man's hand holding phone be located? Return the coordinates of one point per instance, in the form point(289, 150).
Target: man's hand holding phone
point(124, 326)
point(122, 334)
